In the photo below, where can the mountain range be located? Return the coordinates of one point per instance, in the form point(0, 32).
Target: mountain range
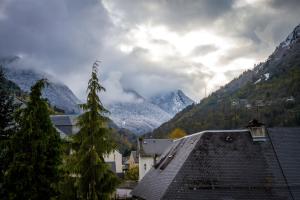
point(139, 116)
point(269, 92)
point(143, 115)
point(57, 93)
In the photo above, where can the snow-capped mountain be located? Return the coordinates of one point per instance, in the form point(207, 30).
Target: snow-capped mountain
point(292, 38)
point(265, 93)
point(143, 115)
point(57, 93)
point(278, 62)
point(138, 117)
point(172, 102)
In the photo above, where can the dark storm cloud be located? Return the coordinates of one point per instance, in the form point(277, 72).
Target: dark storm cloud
point(257, 28)
point(258, 23)
point(294, 4)
point(239, 52)
point(233, 73)
point(180, 15)
point(134, 71)
point(54, 33)
point(64, 37)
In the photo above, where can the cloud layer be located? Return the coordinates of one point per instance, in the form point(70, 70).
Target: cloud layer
point(148, 46)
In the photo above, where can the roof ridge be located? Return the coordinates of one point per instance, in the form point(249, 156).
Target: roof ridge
point(215, 131)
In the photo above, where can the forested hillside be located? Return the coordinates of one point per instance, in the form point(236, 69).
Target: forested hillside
point(123, 138)
point(270, 93)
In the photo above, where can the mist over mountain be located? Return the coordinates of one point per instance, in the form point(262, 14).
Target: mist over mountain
point(134, 112)
point(172, 102)
point(143, 115)
point(57, 93)
point(269, 92)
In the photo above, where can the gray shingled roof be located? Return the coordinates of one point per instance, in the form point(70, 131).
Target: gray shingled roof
point(227, 165)
point(286, 143)
point(64, 120)
point(62, 134)
point(151, 147)
point(65, 123)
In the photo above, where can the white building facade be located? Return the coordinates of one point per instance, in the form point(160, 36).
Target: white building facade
point(66, 126)
point(115, 156)
point(149, 153)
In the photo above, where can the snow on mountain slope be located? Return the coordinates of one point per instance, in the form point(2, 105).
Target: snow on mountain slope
point(143, 115)
point(138, 117)
point(292, 37)
point(271, 83)
point(172, 102)
point(57, 93)
point(277, 63)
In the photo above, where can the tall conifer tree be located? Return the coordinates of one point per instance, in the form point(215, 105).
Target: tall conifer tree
point(33, 172)
point(6, 107)
point(96, 181)
point(7, 124)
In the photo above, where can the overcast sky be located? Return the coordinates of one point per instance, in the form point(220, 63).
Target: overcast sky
point(150, 46)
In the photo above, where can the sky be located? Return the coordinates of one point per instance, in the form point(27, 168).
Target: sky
point(151, 46)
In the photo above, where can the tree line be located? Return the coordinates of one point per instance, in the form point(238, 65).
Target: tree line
point(36, 163)
point(275, 102)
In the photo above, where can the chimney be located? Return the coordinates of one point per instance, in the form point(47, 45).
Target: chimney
point(257, 130)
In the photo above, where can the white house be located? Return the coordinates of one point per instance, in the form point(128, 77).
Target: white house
point(115, 159)
point(133, 160)
point(66, 126)
point(149, 151)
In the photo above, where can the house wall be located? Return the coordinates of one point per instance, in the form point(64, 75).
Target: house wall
point(147, 162)
point(115, 156)
point(131, 162)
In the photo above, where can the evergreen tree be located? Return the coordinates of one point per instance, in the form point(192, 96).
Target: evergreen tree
point(6, 107)
point(33, 172)
point(95, 179)
point(67, 184)
point(7, 124)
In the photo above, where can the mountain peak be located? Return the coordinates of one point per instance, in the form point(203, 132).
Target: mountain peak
point(134, 93)
point(57, 93)
point(8, 59)
point(260, 92)
point(178, 92)
point(172, 102)
point(145, 115)
point(292, 37)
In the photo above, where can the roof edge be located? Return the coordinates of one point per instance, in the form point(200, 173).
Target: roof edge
point(215, 131)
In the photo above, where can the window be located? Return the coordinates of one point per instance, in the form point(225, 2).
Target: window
point(258, 133)
point(170, 155)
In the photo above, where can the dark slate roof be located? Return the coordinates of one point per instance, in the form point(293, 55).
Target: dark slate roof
point(222, 165)
point(64, 120)
point(151, 147)
point(286, 143)
point(65, 123)
point(62, 134)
